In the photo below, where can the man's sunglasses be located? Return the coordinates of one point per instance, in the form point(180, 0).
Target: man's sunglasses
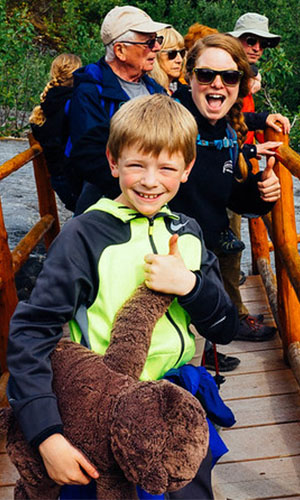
point(229, 77)
point(150, 43)
point(263, 43)
point(172, 54)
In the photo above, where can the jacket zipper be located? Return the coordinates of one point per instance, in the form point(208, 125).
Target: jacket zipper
point(168, 315)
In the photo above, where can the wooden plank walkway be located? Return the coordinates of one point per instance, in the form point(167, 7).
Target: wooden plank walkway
point(264, 457)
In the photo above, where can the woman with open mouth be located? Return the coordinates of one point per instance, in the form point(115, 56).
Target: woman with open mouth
point(219, 73)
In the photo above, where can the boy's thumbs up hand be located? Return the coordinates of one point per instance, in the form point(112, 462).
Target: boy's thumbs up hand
point(173, 246)
point(269, 186)
point(168, 273)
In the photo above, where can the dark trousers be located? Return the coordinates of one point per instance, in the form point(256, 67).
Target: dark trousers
point(198, 489)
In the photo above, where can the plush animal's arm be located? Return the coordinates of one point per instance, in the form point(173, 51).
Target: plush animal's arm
point(132, 330)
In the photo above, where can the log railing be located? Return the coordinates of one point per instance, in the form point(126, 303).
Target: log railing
point(11, 261)
point(283, 290)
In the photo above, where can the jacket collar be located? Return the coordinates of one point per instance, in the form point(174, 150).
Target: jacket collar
point(102, 74)
point(126, 214)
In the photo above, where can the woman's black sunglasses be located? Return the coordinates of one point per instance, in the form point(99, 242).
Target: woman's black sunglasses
point(229, 77)
point(172, 54)
point(263, 43)
point(150, 43)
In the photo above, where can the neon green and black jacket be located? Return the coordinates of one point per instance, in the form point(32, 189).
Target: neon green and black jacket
point(91, 269)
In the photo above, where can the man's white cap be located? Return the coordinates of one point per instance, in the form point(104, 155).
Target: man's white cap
point(254, 24)
point(121, 19)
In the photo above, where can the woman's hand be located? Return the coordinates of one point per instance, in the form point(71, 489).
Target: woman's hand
point(278, 117)
point(168, 273)
point(266, 148)
point(269, 186)
point(255, 83)
point(65, 464)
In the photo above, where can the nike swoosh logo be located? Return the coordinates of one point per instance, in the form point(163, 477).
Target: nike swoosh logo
point(176, 227)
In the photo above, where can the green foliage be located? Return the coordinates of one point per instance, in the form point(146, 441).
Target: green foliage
point(74, 26)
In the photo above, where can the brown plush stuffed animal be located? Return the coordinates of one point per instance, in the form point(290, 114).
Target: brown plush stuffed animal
point(153, 434)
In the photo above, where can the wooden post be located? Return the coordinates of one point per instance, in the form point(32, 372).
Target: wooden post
point(8, 293)
point(258, 235)
point(284, 233)
point(46, 196)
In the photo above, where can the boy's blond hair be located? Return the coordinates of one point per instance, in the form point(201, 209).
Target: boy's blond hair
point(153, 124)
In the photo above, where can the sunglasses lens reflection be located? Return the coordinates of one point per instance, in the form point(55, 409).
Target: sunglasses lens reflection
point(252, 40)
point(207, 76)
point(172, 54)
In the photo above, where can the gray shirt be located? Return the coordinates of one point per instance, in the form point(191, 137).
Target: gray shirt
point(133, 89)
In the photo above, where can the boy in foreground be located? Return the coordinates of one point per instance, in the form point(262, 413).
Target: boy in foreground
point(97, 262)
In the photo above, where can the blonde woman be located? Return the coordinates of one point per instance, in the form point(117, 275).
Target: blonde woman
point(169, 61)
point(49, 122)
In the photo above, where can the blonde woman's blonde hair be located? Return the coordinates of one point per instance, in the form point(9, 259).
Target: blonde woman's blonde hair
point(61, 74)
point(236, 51)
point(153, 124)
point(172, 40)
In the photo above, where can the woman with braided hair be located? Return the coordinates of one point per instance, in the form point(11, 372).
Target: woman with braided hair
point(219, 73)
point(49, 122)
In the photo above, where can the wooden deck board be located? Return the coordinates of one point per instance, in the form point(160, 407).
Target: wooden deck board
point(8, 473)
point(267, 410)
point(275, 478)
point(7, 493)
point(263, 461)
point(259, 384)
point(271, 441)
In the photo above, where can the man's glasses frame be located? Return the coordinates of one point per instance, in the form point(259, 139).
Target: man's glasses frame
point(229, 77)
point(252, 40)
point(150, 43)
point(172, 53)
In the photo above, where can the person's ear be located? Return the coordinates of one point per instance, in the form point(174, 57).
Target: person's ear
point(112, 164)
point(120, 51)
point(187, 171)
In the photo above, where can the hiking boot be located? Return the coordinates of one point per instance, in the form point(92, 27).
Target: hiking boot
point(251, 329)
point(229, 243)
point(226, 363)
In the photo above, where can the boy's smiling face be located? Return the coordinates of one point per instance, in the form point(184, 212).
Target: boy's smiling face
point(148, 182)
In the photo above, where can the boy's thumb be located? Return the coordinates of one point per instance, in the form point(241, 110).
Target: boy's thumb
point(269, 168)
point(173, 245)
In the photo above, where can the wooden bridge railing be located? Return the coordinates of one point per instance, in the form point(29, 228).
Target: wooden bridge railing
point(283, 290)
point(11, 261)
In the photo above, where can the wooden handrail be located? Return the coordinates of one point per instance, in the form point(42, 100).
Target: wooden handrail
point(11, 262)
point(282, 228)
point(289, 158)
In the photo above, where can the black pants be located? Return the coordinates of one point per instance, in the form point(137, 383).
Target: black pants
point(198, 489)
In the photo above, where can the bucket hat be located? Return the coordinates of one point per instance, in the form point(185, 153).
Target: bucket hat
point(254, 24)
point(121, 19)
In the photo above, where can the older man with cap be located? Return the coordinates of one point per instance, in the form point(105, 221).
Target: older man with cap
point(131, 44)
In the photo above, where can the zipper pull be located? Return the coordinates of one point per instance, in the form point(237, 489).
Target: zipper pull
point(151, 223)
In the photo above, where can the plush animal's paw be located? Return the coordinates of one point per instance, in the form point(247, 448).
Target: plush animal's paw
point(159, 435)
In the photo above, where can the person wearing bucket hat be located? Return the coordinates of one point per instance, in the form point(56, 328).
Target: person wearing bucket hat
point(131, 44)
point(253, 31)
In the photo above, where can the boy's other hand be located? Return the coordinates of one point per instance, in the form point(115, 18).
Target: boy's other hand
point(65, 464)
point(168, 273)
